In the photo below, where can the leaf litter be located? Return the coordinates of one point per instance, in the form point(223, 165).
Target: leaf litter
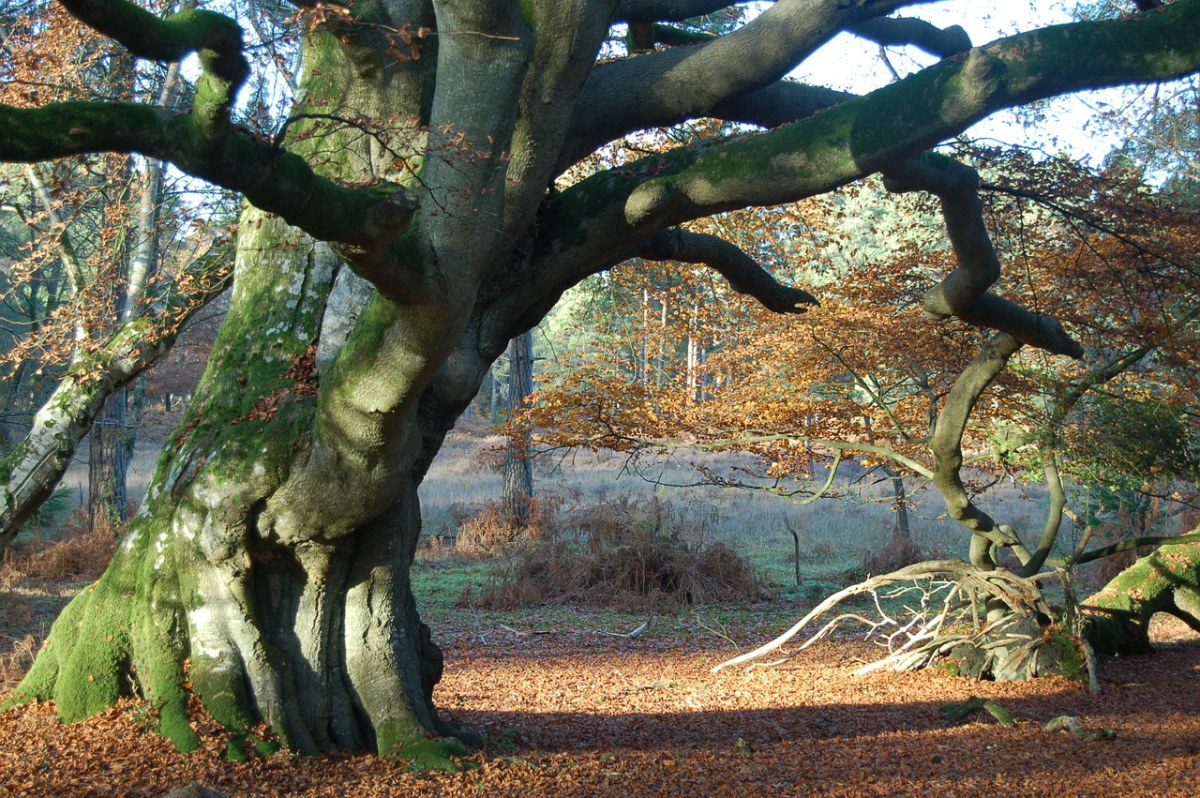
point(585, 714)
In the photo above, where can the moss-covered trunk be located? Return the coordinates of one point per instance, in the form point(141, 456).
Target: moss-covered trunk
point(267, 575)
point(1166, 580)
point(231, 590)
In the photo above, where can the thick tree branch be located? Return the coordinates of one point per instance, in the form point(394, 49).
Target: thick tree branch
point(637, 11)
point(549, 91)
point(668, 87)
point(781, 103)
point(215, 38)
point(1132, 544)
point(900, 31)
point(1031, 329)
point(272, 179)
point(956, 185)
point(743, 273)
point(864, 135)
point(947, 446)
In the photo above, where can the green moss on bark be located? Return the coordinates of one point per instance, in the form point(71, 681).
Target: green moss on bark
point(1164, 581)
point(411, 743)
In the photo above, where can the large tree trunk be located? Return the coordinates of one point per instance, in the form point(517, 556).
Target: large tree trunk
point(266, 574)
point(228, 588)
point(1166, 580)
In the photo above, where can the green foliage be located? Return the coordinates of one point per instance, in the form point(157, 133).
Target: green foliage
point(1128, 441)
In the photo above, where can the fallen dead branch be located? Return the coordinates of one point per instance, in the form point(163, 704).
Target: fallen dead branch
point(535, 632)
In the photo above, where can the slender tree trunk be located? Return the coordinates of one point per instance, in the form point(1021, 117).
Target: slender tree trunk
point(107, 466)
point(903, 530)
point(644, 353)
point(518, 466)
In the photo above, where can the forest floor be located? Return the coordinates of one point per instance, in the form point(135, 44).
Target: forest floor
point(569, 709)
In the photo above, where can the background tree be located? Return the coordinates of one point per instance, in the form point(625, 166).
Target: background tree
point(96, 236)
point(518, 465)
point(267, 575)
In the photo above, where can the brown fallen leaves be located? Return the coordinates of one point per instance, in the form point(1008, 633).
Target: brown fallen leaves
point(590, 715)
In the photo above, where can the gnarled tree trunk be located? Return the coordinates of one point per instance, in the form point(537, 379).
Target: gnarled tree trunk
point(1166, 580)
point(298, 614)
point(267, 573)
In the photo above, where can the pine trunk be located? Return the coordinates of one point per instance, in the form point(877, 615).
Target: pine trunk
point(108, 465)
point(518, 467)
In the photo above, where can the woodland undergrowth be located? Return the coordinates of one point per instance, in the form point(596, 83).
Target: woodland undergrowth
point(625, 554)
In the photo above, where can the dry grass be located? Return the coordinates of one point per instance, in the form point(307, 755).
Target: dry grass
point(487, 532)
point(16, 657)
point(625, 554)
point(835, 534)
point(81, 554)
point(898, 553)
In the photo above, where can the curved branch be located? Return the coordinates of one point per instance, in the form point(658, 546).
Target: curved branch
point(1031, 329)
point(947, 445)
point(271, 179)
point(215, 38)
point(956, 185)
point(963, 292)
point(864, 135)
point(743, 273)
point(900, 31)
point(952, 569)
point(668, 87)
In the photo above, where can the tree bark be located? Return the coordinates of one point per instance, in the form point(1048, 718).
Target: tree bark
point(315, 634)
point(518, 465)
point(1166, 580)
point(108, 503)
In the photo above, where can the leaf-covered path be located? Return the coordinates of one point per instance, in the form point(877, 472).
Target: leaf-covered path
point(581, 713)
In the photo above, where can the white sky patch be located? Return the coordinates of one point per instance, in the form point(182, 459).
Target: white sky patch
point(849, 63)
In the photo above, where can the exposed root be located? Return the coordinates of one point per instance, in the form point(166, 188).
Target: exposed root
point(945, 623)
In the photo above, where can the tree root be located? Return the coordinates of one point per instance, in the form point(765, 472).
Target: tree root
point(1015, 638)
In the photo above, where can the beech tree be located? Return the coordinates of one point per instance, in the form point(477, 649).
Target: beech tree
point(266, 575)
